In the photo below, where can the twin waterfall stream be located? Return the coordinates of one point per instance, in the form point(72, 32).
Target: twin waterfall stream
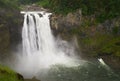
point(36, 35)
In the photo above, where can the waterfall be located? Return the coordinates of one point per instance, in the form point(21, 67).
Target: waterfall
point(41, 49)
point(37, 35)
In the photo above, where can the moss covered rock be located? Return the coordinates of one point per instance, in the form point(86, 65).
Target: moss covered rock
point(7, 74)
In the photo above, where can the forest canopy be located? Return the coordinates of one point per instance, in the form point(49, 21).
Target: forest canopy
point(102, 9)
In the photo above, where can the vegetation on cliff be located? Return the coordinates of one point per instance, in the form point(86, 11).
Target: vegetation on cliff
point(99, 39)
point(8, 75)
point(104, 9)
point(8, 4)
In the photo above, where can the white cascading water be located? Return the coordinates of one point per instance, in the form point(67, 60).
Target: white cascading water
point(37, 35)
point(40, 49)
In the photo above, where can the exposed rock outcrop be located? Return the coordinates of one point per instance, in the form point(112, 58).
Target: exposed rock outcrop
point(60, 23)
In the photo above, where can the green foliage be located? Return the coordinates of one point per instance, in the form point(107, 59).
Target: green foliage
point(112, 47)
point(115, 30)
point(103, 9)
point(9, 4)
point(44, 3)
point(28, 1)
point(95, 42)
point(7, 75)
point(64, 6)
point(102, 44)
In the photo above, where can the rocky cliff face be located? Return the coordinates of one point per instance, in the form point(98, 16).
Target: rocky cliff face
point(61, 23)
point(94, 39)
point(10, 28)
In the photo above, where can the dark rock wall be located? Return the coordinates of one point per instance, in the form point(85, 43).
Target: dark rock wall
point(10, 29)
point(4, 39)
